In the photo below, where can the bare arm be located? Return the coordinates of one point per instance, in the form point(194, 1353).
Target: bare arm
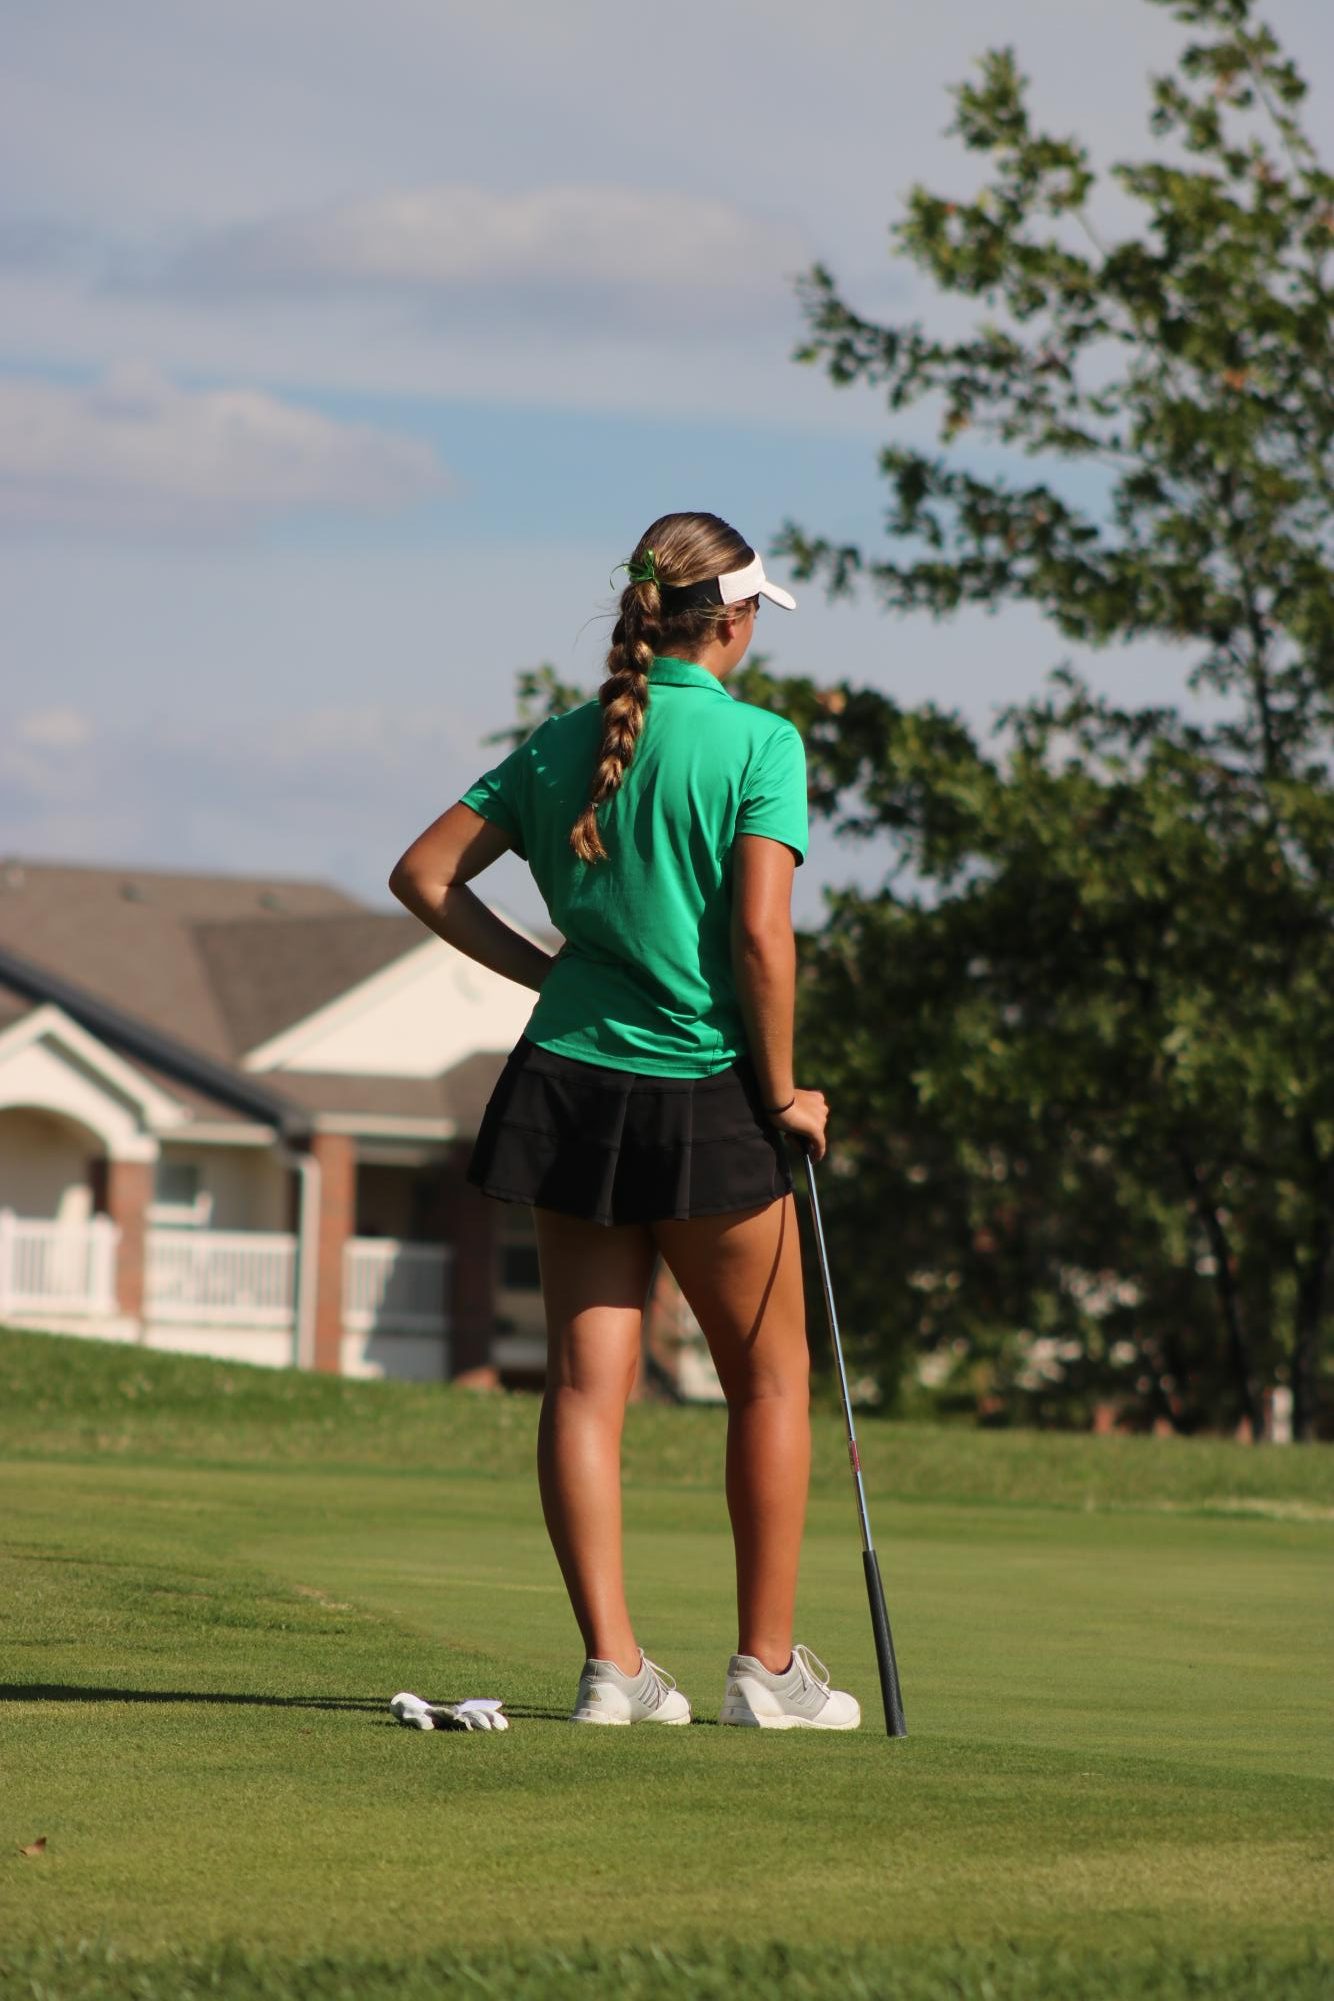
point(430, 879)
point(764, 963)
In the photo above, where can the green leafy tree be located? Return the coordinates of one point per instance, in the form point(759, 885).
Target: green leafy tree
point(1060, 1110)
point(1079, 1044)
point(1100, 1018)
point(539, 692)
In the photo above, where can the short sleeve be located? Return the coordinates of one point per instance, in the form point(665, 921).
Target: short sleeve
point(774, 800)
point(498, 797)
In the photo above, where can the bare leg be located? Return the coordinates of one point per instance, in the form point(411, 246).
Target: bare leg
point(741, 1273)
point(593, 1285)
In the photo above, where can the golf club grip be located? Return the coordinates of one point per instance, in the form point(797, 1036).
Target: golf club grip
point(884, 1647)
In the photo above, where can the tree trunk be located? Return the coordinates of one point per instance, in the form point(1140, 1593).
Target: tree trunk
point(1312, 1273)
point(1229, 1301)
point(1162, 1358)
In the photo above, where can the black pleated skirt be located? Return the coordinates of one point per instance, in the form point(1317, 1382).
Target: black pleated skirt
point(619, 1146)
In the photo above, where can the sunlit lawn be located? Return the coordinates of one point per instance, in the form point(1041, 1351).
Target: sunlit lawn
point(1118, 1778)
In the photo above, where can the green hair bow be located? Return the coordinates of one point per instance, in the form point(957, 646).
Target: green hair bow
point(643, 572)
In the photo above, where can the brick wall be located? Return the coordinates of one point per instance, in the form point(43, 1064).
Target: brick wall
point(123, 1189)
point(337, 1157)
point(465, 1219)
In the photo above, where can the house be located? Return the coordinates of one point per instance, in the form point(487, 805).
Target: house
point(235, 1115)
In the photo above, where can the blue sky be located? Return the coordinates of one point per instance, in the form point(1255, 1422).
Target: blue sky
point(345, 348)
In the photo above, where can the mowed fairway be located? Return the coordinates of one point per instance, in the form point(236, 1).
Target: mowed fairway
point(1116, 1666)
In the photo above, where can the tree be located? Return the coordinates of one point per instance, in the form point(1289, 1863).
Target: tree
point(1112, 979)
point(1079, 1044)
point(1059, 1092)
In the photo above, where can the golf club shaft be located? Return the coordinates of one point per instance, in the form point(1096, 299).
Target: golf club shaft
point(875, 1590)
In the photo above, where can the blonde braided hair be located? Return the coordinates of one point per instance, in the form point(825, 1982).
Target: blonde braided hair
point(677, 551)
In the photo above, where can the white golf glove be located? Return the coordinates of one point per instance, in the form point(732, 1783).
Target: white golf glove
point(477, 1713)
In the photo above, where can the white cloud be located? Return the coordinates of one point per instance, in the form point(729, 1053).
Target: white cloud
point(135, 451)
point(336, 791)
point(820, 118)
point(504, 352)
point(298, 712)
point(55, 729)
point(633, 249)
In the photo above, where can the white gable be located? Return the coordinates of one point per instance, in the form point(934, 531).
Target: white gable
point(416, 1018)
point(48, 1062)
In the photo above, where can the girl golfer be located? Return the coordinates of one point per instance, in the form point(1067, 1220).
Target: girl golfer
point(643, 1111)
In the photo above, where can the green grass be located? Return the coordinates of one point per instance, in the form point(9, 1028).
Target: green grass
point(1116, 1667)
point(66, 1399)
point(656, 1973)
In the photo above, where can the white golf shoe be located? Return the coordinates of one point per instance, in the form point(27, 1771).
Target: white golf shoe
point(608, 1696)
point(798, 1699)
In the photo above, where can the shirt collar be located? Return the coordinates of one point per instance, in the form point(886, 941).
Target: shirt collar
point(683, 674)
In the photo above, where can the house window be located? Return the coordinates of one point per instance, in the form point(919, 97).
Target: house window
point(516, 1252)
point(176, 1183)
point(518, 1295)
point(519, 1268)
point(177, 1196)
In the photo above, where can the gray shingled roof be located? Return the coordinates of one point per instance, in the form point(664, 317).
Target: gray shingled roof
point(458, 1095)
point(266, 975)
point(129, 935)
point(13, 1006)
point(152, 1050)
point(222, 963)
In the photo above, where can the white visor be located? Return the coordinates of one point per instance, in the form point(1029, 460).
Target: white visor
point(752, 582)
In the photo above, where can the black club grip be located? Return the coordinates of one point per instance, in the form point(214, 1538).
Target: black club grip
point(884, 1647)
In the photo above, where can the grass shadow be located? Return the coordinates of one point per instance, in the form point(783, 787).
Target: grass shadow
point(46, 1691)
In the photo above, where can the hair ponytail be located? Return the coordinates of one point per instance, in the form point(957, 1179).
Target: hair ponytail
point(678, 550)
point(624, 697)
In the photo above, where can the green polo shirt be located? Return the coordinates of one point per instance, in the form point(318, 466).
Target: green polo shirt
point(644, 981)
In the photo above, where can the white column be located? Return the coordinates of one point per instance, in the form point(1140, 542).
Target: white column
point(1280, 1415)
point(307, 1255)
point(7, 1220)
point(103, 1240)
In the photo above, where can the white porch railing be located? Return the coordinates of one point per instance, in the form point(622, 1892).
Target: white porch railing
point(53, 1267)
point(217, 1278)
point(221, 1278)
point(389, 1285)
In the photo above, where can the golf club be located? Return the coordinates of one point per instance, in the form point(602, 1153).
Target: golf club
point(884, 1639)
